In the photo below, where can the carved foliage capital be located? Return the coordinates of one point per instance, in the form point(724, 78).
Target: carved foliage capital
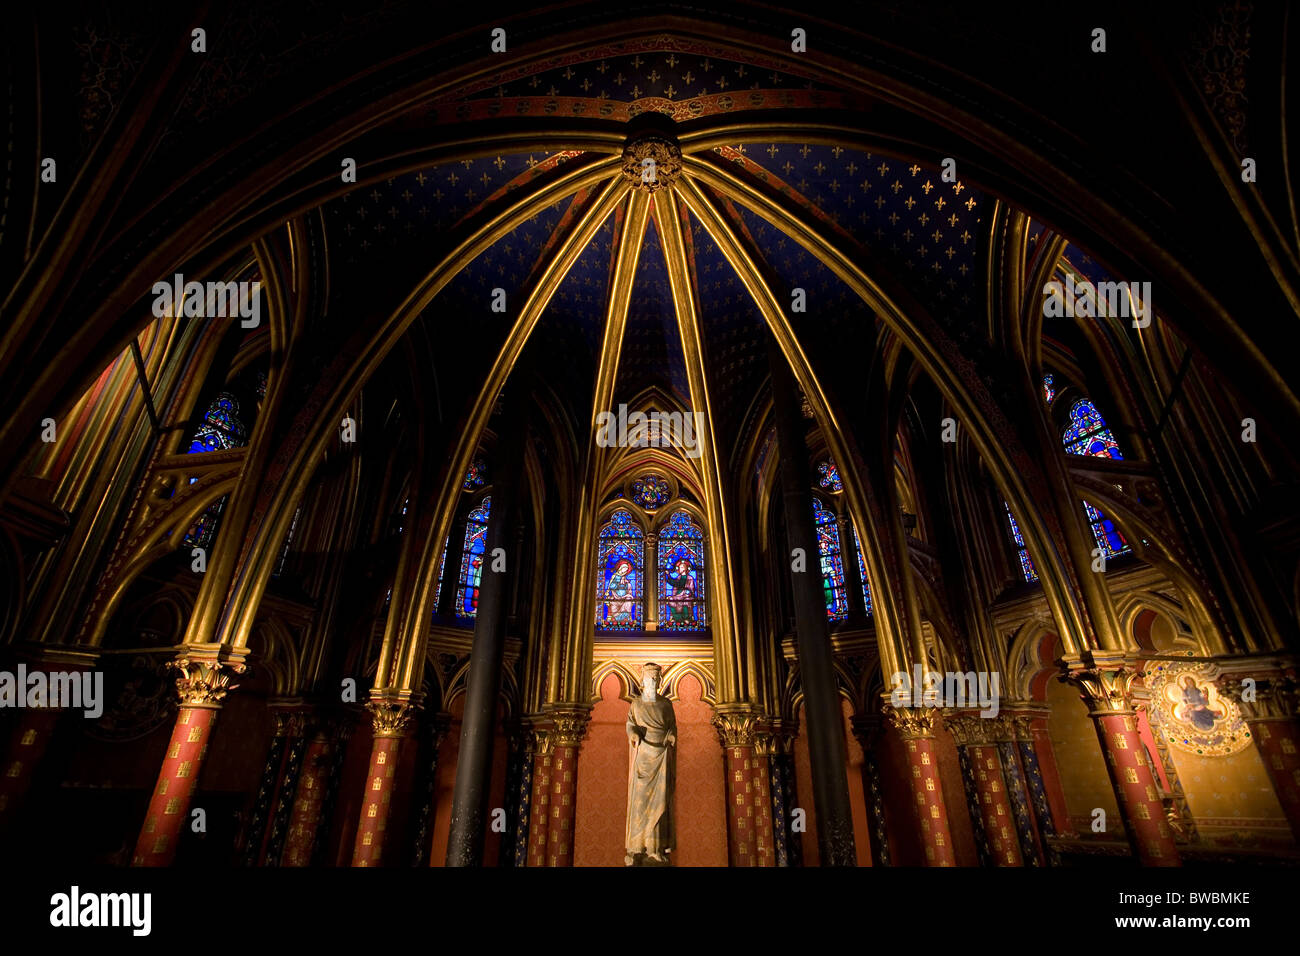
point(911, 722)
point(968, 729)
point(737, 728)
point(391, 716)
point(204, 682)
point(1106, 689)
point(1262, 697)
point(568, 727)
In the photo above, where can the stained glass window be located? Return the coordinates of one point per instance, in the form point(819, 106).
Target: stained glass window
point(1049, 389)
point(475, 475)
point(862, 573)
point(829, 477)
point(681, 575)
point(1088, 433)
point(651, 492)
point(828, 543)
point(620, 569)
point(1026, 562)
point(1109, 539)
point(400, 518)
point(471, 563)
point(221, 427)
point(203, 531)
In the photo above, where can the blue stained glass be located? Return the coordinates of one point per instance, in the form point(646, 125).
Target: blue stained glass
point(829, 477)
point(475, 475)
point(471, 565)
point(1026, 562)
point(203, 531)
point(862, 573)
point(828, 543)
point(681, 575)
point(1108, 538)
point(221, 427)
point(1049, 389)
point(651, 492)
point(1088, 433)
point(620, 570)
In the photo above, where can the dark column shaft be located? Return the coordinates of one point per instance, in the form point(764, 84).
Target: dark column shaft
point(474, 766)
point(812, 635)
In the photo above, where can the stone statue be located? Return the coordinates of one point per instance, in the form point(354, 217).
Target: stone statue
point(652, 775)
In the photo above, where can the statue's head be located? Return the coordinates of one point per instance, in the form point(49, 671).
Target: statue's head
point(651, 674)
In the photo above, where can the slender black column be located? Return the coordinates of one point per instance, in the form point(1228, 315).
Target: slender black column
point(474, 768)
point(812, 635)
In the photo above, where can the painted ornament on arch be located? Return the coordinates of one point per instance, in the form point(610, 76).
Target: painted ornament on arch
point(1195, 717)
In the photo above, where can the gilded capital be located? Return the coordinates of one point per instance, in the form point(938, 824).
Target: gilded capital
point(1106, 684)
point(737, 728)
point(204, 681)
point(1260, 697)
point(391, 715)
point(911, 722)
point(968, 729)
point(568, 727)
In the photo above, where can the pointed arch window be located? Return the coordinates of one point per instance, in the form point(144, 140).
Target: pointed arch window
point(1049, 388)
point(832, 562)
point(1018, 539)
point(1088, 434)
point(620, 574)
point(221, 427)
point(471, 562)
point(862, 573)
point(681, 574)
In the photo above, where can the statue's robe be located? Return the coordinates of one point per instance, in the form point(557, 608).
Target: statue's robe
point(651, 777)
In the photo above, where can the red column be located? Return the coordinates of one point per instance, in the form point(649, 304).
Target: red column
point(309, 801)
point(916, 727)
point(1106, 685)
point(763, 833)
point(995, 807)
point(569, 727)
point(541, 801)
point(203, 684)
point(737, 731)
point(391, 717)
point(26, 748)
point(1271, 718)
